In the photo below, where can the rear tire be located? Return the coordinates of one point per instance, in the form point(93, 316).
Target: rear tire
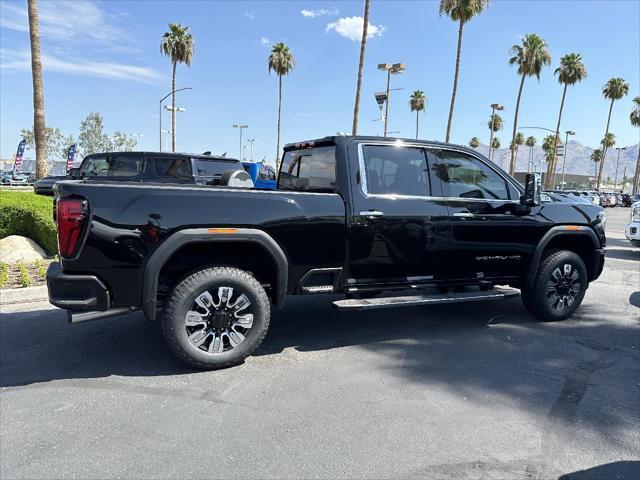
point(216, 317)
point(559, 286)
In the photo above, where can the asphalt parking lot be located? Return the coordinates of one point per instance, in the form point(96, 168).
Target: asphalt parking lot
point(459, 391)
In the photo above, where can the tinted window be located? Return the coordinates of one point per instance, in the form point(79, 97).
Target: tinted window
point(214, 168)
point(467, 177)
point(111, 166)
point(266, 172)
point(389, 169)
point(309, 169)
point(178, 168)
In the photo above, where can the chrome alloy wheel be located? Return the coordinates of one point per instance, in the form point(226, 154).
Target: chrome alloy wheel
point(563, 287)
point(220, 325)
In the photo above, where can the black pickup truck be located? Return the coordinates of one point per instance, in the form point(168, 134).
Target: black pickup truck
point(384, 222)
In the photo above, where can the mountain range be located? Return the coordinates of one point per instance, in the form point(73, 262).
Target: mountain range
point(578, 159)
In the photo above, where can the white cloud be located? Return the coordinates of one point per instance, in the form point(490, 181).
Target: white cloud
point(323, 12)
point(265, 41)
point(250, 15)
point(21, 60)
point(351, 28)
point(70, 20)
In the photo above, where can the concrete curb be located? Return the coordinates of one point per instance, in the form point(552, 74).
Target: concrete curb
point(23, 295)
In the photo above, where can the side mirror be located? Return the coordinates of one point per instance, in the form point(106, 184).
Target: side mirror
point(75, 173)
point(532, 190)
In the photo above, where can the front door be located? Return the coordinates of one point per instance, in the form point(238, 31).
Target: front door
point(398, 231)
point(490, 236)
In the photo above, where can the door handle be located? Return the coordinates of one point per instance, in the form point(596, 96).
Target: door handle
point(463, 214)
point(372, 213)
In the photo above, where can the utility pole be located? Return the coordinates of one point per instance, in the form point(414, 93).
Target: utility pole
point(615, 179)
point(240, 127)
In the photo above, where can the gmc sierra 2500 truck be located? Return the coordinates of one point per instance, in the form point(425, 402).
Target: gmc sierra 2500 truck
point(386, 222)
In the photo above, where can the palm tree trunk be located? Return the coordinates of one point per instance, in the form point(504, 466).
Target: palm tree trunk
point(38, 91)
point(417, 123)
point(604, 148)
point(363, 44)
point(455, 81)
point(551, 172)
point(279, 111)
point(636, 176)
point(512, 164)
point(173, 108)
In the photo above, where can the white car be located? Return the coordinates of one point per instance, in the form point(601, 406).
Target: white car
point(632, 230)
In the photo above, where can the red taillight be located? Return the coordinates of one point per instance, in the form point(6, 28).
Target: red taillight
point(71, 214)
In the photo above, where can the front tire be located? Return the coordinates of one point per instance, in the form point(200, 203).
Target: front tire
point(216, 317)
point(559, 286)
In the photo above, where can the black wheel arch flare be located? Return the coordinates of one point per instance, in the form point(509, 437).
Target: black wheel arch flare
point(182, 237)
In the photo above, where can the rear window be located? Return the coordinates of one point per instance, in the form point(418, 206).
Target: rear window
point(214, 168)
point(309, 169)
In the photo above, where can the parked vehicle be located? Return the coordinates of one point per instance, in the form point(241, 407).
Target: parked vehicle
point(5, 177)
point(20, 178)
point(147, 167)
point(626, 200)
point(262, 174)
point(385, 222)
point(632, 230)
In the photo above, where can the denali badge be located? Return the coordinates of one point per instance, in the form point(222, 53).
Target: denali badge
point(489, 258)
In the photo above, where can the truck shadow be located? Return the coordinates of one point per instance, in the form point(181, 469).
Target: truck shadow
point(490, 351)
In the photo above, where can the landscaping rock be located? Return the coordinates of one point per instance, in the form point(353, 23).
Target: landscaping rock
point(15, 248)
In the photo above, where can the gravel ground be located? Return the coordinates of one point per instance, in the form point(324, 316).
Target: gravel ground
point(460, 391)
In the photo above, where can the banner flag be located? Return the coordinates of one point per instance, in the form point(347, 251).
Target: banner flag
point(70, 154)
point(17, 165)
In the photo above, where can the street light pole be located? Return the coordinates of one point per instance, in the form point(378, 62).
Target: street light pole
point(615, 179)
point(160, 111)
point(251, 141)
point(494, 107)
point(389, 68)
point(174, 132)
point(240, 126)
point(564, 159)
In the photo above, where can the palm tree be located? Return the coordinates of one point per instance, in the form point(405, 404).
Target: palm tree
point(530, 57)
point(547, 146)
point(177, 44)
point(607, 142)
point(518, 141)
point(281, 61)
point(530, 142)
point(495, 124)
point(596, 156)
point(363, 45)
point(614, 89)
point(39, 129)
point(495, 145)
point(460, 11)
point(474, 142)
point(570, 72)
point(417, 103)
point(634, 117)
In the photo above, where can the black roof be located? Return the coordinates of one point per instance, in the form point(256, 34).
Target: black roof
point(372, 138)
point(168, 154)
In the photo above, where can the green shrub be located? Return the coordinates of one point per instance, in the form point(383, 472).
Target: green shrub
point(28, 215)
point(4, 274)
point(25, 280)
point(42, 270)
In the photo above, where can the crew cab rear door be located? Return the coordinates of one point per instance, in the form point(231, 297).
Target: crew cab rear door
point(399, 225)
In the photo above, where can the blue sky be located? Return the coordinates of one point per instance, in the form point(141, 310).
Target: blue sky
point(104, 56)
